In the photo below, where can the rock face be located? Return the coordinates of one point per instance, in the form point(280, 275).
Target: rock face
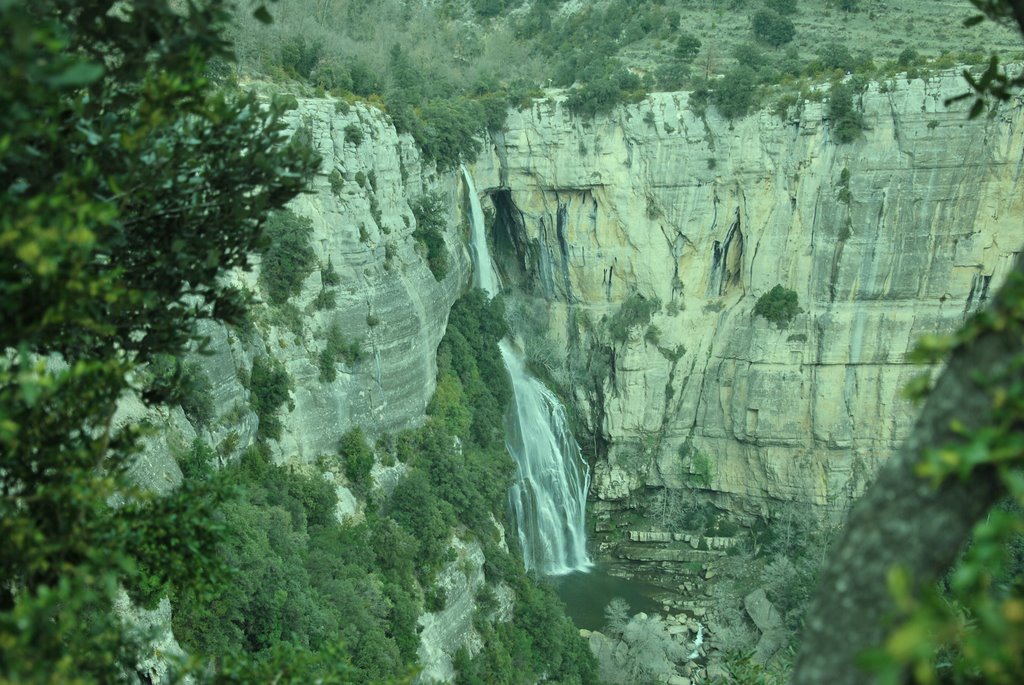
point(386, 299)
point(442, 633)
point(898, 234)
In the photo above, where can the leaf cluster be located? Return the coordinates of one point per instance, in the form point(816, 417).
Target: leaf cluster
point(287, 255)
point(779, 305)
point(634, 312)
point(430, 211)
point(131, 188)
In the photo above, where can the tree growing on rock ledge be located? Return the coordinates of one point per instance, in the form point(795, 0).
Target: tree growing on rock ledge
point(878, 610)
point(779, 305)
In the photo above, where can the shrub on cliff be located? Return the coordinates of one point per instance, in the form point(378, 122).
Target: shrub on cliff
point(778, 305)
point(354, 134)
point(605, 92)
point(287, 255)
point(429, 210)
point(687, 47)
point(269, 384)
point(847, 121)
point(635, 311)
point(358, 457)
point(736, 93)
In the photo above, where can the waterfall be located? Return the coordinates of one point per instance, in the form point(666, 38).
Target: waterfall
point(550, 493)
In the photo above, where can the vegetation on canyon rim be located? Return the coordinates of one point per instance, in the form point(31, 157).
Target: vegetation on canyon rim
point(118, 157)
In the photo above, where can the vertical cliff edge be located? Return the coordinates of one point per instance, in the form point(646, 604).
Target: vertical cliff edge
point(897, 234)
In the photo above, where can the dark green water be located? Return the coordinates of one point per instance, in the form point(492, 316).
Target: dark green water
point(586, 595)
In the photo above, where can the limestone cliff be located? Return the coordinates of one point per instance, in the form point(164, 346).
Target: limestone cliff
point(897, 234)
point(386, 299)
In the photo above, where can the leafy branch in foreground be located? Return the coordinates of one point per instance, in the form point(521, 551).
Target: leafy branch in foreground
point(129, 189)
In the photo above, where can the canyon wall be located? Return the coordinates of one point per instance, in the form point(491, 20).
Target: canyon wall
point(897, 234)
point(384, 298)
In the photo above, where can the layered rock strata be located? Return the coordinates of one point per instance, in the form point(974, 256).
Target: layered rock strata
point(385, 299)
point(900, 233)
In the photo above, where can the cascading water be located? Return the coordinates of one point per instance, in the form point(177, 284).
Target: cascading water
point(552, 478)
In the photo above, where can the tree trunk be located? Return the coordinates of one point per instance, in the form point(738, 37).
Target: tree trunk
point(904, 520)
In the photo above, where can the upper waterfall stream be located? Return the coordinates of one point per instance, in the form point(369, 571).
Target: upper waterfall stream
point(549, 496)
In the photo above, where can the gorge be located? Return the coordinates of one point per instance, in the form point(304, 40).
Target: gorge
point(639, 262)
point(506, 342)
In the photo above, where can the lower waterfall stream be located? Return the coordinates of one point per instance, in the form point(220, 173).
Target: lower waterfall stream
point(549, 496)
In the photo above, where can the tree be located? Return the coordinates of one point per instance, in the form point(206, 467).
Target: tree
point(687, 47)
point(906, 531)
point(847, 121)
point(772, 28)
point(130, 188)
point(616, 615)
point(778, 305)
point(736, 93)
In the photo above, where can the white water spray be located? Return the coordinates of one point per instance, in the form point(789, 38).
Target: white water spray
point(552, 478)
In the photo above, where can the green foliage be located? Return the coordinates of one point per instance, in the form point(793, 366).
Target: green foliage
point(390, 252)
point(687, 47)
point(697, 464)
point(736, 93)
point(540, 643)
point(196, 395)
point(337, 182)
point(131, 188)
point(469, 350)
point(418, 509)
point(197, 462)
point(337, 349)
point(491, 8)
point(843, 194)
point(299, 56)
point(329, 275)
point(847, 120)
point(772, 28)
point(430, 211)
point(779, 305)
point(634, 312)
point(354, 135)
point(672, 76)
point(613, 86)
point(269, 386)
point(445, 129)
point(287, 255)
point(744, 669)
point(971, 625)
point(357, 456)
point(908, 57)
point(335, 78)
point(302, 583)
point(444, 124)
point(184, 383)
point(832, 56)
point(325, 299)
